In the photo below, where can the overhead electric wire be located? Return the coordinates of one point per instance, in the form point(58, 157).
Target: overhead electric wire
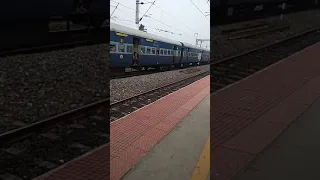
point(147, 10)
point(154, 19)
point(198, 9)
point(114, 9)
point(175, 19)
point(132, 21)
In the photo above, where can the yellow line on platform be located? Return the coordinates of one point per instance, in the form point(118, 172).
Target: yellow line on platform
point(201, 171)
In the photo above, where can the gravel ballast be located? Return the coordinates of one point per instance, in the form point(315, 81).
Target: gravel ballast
point(299, 22)
point(124, 88)
point(40, 85)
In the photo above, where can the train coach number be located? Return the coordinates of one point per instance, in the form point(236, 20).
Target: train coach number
point(121, 56)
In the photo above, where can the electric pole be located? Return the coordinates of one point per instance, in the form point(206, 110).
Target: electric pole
point(137, 13)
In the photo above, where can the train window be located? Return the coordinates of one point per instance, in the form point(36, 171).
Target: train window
point(189, 54)
point(142, 50)
point(157, 51)
point(161, 51)
point(148, 50)
point(113, 47)
point(121, 48)
point(129, 48)
point(179, 53)
point(169, 52)
point(153, 51)
point(165, 52)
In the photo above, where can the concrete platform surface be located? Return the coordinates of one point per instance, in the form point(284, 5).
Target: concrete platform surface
point(294, 155)
point(177, 154)
point(248, 116)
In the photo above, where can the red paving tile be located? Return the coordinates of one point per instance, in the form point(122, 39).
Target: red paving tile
point(118, 168)
point(249, 115)
point(145, 142)
point(131, 155)
point(167, 124)
point(179, 113)
point(155, 133)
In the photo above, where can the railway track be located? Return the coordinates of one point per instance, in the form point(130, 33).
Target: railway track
point(58, 40)
point(126, 106)
point(230, 70)
point(132, 73)
point(42, 146)
point(145, 72)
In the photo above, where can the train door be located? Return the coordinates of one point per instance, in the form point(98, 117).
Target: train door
point(187, 53)
point(200, 57)
point(135, 52)
point(181, 56)
point(174, 54)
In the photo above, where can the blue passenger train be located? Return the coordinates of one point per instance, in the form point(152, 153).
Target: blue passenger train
point(131, 48)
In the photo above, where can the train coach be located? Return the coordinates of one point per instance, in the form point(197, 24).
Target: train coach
point(131, 48)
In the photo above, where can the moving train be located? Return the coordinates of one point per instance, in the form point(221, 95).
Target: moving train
point(132, 48)
point(229, 11)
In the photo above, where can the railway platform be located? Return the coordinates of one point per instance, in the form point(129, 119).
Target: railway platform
point(164, 139)
point(266, 126)
point(167, 138)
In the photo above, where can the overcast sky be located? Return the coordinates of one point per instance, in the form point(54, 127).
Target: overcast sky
point(176, 16)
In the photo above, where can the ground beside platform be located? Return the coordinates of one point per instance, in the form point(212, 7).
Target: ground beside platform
point(247, 116)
